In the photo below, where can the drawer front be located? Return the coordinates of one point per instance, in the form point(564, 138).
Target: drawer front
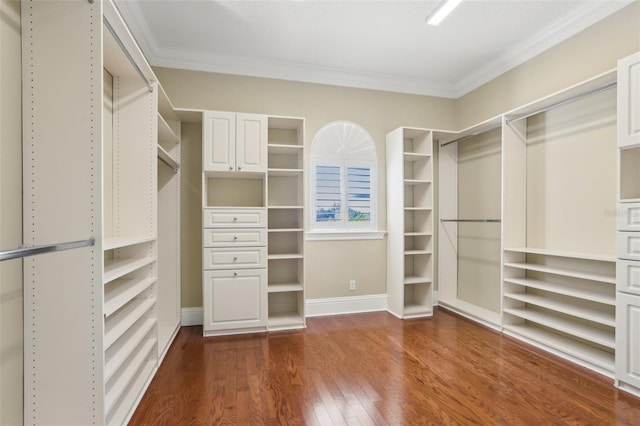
point(232, 258)
point(232, 218)
point(234, 237)
point(628, 276)
point(629, 217)
point(628, 245)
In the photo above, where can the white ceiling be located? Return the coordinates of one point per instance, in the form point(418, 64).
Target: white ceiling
point(375, 44)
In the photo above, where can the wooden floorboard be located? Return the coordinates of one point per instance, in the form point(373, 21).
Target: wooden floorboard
point(374, 369)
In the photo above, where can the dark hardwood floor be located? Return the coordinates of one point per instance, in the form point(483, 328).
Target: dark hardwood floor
point(374, 369)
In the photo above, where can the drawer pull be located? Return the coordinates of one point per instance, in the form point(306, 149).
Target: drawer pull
point(235, 274)
point(235, 258)
point(235, 237)
point(230, 167)
point(235, 219)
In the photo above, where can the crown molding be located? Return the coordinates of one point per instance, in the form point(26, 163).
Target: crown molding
point(544, 39)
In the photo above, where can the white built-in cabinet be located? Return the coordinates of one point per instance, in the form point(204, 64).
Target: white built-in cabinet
point(98, 318)
point(628, 226)
point(235, 142)
point(253, 210)
point(410, 222)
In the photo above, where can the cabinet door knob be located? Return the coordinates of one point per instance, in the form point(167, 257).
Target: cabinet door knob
point(230, 167)
point(235, 274)
point(235, 237)
point(239, 168)
point(235, 258)
point(235, 219)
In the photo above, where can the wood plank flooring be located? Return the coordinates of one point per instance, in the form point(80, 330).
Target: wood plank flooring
point(374, 369)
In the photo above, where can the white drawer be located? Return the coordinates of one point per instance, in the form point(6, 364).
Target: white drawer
point(234, 237)
point(234, 258)
point(628, 245)
point(629, 217)
point(628, 276)
point(234, 218)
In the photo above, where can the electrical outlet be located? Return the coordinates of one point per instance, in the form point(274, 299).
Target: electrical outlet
point(352, 285)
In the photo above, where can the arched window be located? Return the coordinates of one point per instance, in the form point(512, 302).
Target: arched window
point(343, 179)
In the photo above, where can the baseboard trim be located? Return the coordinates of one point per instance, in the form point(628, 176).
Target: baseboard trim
point(345, 305)
point(191, 316)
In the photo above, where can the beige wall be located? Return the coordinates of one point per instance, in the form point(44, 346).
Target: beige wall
point(329, 265)
point(10, 215)
point(589, 53)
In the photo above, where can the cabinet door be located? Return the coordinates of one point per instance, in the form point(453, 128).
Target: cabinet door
point(235, 300)
point(251, 143)
point(218, 141)
point(629, 101)
point(628, 340)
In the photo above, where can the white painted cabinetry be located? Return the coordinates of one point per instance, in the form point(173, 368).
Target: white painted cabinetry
point(628, 225)
point(234, 142)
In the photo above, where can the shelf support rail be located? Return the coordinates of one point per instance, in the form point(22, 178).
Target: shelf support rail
point(564, 101)
point(127, 54)
point(472, 220)
point(497, 126)
point(49, 248)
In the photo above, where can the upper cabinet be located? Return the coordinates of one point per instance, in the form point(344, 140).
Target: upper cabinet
point(629, 101)
point(234, 142)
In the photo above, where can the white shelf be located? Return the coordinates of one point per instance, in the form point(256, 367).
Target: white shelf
point(629, 200)
point(284, 149)
point(166, 157)
point(126, 348)
point(412, 156)
point(415, 310)
point(165, 108)
point(284, 256)
point(116, 390)
point(577, 311)
point(416, 280)
point(285, 230)
point(120, 242)
point(285, 320)
point(285, 172)
point(284, 287)
point(413, 252)
point(285, 207)
point(412, 182)
point(611, 279)
point(418, 234)
point(592, 294)
point(166, 135)
point(574, 328)
point(558, 253)
point(121, 321)
point(576, 349)
point(407, 208)
point(116, 268)
point(123, 291)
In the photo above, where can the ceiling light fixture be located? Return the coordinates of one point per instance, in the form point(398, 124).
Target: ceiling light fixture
point(441, 12)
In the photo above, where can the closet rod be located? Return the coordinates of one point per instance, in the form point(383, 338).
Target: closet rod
point(497, 126)
point(171, 166)
point(565, 101)
point(31, 251)
point(127, 54)
point(472, 220)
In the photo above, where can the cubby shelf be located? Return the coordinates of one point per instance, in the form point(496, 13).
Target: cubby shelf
point(595, 294)
point(611, 279)
point(284, 287)
point(116, 268)
point(120, 242)
point(121, 321)
point(416, 280)
point(127, 347)
point(122, 291)
point(567, 308)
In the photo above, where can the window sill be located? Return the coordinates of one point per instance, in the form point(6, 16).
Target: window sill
point(344, 235)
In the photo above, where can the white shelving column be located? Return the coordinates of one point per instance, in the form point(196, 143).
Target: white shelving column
point(628, 226)
point(285, 195)
point(90, 164)
point(410, 222)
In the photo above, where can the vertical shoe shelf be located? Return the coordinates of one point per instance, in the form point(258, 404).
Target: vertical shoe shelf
point(285, 209)
point(410, 222)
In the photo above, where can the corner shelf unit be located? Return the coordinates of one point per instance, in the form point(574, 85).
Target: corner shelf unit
point(285, 223)
point(410, 222)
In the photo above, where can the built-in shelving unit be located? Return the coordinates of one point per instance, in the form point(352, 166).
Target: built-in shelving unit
point(410, 222)
point(285, 210)
point(95, 350)
point(559, 268)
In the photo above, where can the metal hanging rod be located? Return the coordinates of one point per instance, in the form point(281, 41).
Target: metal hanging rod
point(565, 101)
point(31, 251)
point(472, 220)
point(127, 54)
point(497, 126)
